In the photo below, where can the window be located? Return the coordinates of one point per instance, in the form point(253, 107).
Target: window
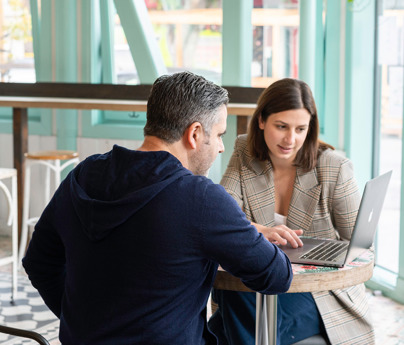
point(390, 86)
point(189, 36)
point(16, 51)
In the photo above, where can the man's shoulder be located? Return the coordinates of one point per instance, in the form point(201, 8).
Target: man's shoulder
point(202, 188)
point(198, 182)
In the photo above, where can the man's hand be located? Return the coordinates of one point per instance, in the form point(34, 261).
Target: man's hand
point(281, 234)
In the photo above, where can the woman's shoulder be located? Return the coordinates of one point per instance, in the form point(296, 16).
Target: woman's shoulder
point(245, 159)
point(241, 142)
point(329, 157)
point(332, 165)
point(241, 147)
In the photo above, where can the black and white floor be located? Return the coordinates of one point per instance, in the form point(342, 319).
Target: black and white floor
point(27, 312)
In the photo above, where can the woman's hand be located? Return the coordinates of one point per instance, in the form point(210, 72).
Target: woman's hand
point(281, 234)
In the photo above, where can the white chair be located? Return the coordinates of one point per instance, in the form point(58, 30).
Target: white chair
point(52, 161)
point(13, 222)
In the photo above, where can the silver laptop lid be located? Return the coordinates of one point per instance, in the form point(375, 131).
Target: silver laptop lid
point(363, 232)
point(368, 216)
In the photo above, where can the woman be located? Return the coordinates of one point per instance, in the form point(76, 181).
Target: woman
point(290, 183)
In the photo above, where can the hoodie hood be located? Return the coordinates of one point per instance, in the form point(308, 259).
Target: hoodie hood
point(106, 190)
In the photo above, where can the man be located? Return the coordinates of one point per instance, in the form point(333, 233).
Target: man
point(127, 250)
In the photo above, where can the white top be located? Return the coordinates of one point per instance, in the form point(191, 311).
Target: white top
point(279, 219)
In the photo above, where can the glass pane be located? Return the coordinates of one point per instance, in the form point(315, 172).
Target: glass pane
point(276, 41)
point(390, 64)
point(189, 35)
point(16, 51)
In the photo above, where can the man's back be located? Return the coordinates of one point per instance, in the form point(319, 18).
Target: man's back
point(142, 238)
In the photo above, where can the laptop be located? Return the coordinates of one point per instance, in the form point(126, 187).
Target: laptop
point(334, 253)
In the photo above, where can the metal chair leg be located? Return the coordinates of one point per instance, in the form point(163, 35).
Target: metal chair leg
point(24, 334)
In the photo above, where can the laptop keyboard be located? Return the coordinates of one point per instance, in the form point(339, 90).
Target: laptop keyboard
point(327, 251)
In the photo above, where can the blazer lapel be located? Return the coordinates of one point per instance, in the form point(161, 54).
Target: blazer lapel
point(305, 197)
point(260, 192)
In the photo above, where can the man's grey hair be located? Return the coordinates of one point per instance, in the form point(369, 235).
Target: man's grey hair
point(176, 101)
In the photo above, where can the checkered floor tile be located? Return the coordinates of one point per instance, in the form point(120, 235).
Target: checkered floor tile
point(28, 312)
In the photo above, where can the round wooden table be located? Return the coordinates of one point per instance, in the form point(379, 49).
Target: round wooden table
point(306, 278)
point(309, 278)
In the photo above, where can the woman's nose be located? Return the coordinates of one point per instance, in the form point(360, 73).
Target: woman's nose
point(290, 137)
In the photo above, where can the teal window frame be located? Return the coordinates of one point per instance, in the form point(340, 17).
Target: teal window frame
point(113, 124)
point(39, 121)
point(97, 32)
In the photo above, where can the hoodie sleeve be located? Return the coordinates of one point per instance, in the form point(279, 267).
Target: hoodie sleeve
point(44, 261)
point(231, 240)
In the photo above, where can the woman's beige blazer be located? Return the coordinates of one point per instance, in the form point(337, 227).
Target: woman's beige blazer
point(324, 204)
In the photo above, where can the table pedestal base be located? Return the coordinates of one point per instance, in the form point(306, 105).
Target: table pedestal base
point(265, 324)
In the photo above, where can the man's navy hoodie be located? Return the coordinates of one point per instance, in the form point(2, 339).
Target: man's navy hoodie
point(127, 250)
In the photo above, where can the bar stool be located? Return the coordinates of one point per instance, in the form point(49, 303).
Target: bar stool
point(52, 161)
point(12, 221)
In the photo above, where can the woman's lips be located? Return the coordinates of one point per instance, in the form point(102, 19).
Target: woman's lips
point(285, 149)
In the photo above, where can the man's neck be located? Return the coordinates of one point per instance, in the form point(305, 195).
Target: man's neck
point(152, 143)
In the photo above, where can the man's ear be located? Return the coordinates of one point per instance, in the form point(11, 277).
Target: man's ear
point(193, 134)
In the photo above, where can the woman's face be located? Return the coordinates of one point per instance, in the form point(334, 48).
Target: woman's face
point(285, 133)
